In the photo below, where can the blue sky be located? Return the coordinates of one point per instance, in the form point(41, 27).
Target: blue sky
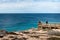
point(29, 6)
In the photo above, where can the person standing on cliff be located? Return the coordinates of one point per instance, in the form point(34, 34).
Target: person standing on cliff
point(47, 22)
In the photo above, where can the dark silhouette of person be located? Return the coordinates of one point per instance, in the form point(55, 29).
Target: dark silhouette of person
point(47, 22)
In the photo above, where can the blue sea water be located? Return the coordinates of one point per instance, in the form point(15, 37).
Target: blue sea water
point(19, 22)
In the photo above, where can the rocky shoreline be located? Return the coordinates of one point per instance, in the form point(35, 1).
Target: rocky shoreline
point(24, 35)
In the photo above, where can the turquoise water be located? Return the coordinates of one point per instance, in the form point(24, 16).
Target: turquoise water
point(19, 22)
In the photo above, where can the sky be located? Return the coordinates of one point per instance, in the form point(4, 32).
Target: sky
point(29, 6)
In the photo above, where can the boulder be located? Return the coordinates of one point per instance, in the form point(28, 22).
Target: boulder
point(3, 33)
point(54, 32)
point(12, 33)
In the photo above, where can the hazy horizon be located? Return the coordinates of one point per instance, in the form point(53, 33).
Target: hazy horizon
point(29, 6)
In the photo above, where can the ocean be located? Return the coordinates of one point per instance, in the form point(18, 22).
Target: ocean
point(25, 21)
